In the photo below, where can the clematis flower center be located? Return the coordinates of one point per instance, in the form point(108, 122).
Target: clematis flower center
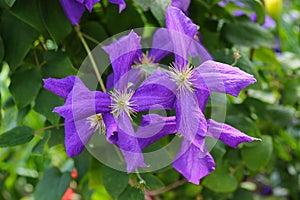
point(96, 121)
point(182, 77)
point(145, 60)
point(121, 103)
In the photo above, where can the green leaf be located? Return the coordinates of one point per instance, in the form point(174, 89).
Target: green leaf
point(10, 3)
point(29, 12)
point(221, 180)
point(152, 182)
point(291, 92)
point(16, 45)
point(132, 193)
point(257, 154)
point(114, 181)
point(246, 33)
point(94, 30)
point(119, 22)
point(56, 135)
point(144, 4)
point(52, 185)
point(281, 115)
point(82, 163)
point(158, 9)
point(55, 20)
point(58, 65)
point(25, 85)
point(243, 123)
point(38, 149)
point(1, 50)
point(289, 61)
point(45, 103)
point(16, 136)
point(169, 176)
point(243, 194)
point(260, 11)
point(192, 190)
point(22, 113)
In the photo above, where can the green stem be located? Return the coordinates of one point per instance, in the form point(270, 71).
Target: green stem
point(142, 181)
point(90, 38)
point(87, 49)
point(37, 132)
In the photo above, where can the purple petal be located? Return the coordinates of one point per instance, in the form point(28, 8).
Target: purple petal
point(182, 32)
point(133, 76)
point(162, 78)
point(220, 77)
point(89, 4)
point(152, 97)
point(269, 23)
point(156, 92)
point(73, 10)
point(77, 134)
point(192, 163)
point(159, 88)
point(223, 3)
point(190, 119)
point(121, 3)
point(111, 127)
point(161, 45)
point(177, 21)
point(109, 82)
point(154, 127)
point(128, 144)
point(82, 103)
point(227, 134)
point(122, 54)
point(241, 12)
point(60, 87)
point(202, 97)
point(181, 4)
point(239, 3)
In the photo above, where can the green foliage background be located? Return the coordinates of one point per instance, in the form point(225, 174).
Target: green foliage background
point(37, 41)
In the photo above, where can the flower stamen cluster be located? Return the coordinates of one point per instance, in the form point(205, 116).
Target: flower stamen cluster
point(96, 121)
point(121, 103)
point(182, 76)
point(145, 60)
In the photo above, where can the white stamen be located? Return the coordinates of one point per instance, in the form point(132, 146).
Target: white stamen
point(145, 60)
point(182, 77)
point(122, 103)
point(96, 121)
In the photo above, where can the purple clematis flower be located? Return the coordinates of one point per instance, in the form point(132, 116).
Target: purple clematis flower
point(192, 160)
point(192, 87)
point(75, 8)
point(146, 63)
point(86, 111)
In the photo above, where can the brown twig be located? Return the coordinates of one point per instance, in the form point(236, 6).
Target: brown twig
point(164, 189)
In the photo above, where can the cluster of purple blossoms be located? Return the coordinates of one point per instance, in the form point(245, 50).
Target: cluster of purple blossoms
point(183, 88)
